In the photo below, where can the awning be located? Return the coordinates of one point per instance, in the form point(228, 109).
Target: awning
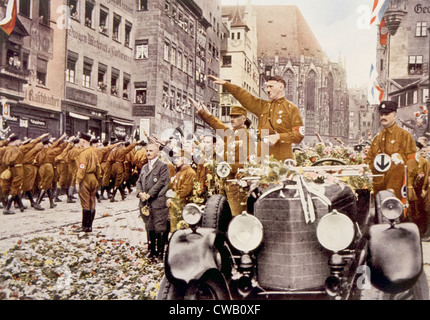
point(123, 123)
point(78, 116)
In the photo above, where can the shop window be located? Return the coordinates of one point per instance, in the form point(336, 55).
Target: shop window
point(140, 92)
point(103, 24)
point(114, 82)
point(126, 86)
point(71, 67)
point(101, 77)
point(42, 68)
point(25, 8)
point(142, 49)
point(143, 5)
point(116, 27)
point(44, 11)
point(127, 34)
point(415, 64)
point(86, 74)
point(89, 11)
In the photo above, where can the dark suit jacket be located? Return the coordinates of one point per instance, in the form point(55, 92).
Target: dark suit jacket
point(155, 182)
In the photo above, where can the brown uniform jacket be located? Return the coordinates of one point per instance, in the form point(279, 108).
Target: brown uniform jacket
point(391, 141)
point(88, 163)
point(277, 116)
point(183, 182)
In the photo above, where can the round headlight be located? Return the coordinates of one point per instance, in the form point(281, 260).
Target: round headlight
point(191, 214)
point(245, 232)
point(391, 208)
point(335, 231)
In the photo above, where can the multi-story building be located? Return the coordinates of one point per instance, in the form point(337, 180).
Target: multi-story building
point(239, 63)
point(31, 76)
point(99, 68)
point(360, 116)
point(180, 44)
point(403, 61)
point(287, 47)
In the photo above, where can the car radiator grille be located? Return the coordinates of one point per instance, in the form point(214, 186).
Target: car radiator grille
point(290, 257)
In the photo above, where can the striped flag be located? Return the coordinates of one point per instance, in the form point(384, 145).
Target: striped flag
point(7, 24)
point(378, 10)
point(375, 93)
point(383, 33)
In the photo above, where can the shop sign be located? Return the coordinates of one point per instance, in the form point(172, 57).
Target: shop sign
point(143, 111)
point(38, 123)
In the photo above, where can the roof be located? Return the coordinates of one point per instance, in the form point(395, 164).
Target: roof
point(281, 30)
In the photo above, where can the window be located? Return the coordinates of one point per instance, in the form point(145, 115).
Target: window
point(89, 9)
point(143, 5)
point(421, 30)
point(415, 64)
point(166, 6)
point(25, 8)
point(140, 92)
point(101, 77)
point(127, 39)
point(116, 27)
point(86, 73)
point(126, 86)
point(166, 51)
point(173, 56)
point(71, 67)
point(103, 24)
point(226, 61)
point(42, 68)
point(184, 63)
point(179, 60)
point(114, 82)
point(142, 49)
point(425, 94)
point(44, 11)
point(190, 67)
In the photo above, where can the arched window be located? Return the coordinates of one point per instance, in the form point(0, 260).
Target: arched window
point(310, 90)
point(289, 90)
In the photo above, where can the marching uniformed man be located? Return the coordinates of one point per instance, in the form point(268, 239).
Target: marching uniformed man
point(238, 148)
point(87, 181)
point(279, 121)
point(389, 152)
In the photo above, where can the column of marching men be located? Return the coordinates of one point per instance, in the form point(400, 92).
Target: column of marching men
point(45, 168)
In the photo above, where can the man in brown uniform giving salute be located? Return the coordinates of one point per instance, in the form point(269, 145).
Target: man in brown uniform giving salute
point(279, 121)
point(87, 182)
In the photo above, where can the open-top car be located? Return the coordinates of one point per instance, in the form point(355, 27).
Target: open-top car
point(311, 233)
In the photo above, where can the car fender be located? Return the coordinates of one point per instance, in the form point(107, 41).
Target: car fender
point(394, 256)
point(192, 254)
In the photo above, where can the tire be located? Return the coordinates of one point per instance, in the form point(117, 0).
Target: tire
point(209, 288)
point(419, 291)
point(168, 291)
point(217, 213)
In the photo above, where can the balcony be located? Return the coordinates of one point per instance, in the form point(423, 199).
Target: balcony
point(15, 72)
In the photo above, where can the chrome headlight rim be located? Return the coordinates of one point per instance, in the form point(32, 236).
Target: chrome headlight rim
point(391, 214)
point(335, 231)
point(241, 236)
point(192, 214)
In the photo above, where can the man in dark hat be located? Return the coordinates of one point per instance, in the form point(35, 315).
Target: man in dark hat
point(87, 181)
point(389, 152)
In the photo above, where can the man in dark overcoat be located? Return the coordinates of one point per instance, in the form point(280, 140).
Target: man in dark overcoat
point(151, 188)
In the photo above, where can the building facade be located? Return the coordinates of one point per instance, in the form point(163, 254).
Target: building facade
point(239, 62)
point(31, 79)
point(403, 62)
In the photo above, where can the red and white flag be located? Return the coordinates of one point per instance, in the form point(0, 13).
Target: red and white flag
point(378, 10)
point(7, 24)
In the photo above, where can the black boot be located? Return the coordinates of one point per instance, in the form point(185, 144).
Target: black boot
point(18, 200)
point(86, 216)
point(57, 194)
point(30, 198)
point(122, 191)
point(37, 205)
point(8, 205)
point(112, 198)
point(102, 191)
point(98, 197)
point(70, 196)
point(51, 199)
point(91, 219)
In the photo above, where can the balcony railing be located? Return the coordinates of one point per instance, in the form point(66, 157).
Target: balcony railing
point(15, 72)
